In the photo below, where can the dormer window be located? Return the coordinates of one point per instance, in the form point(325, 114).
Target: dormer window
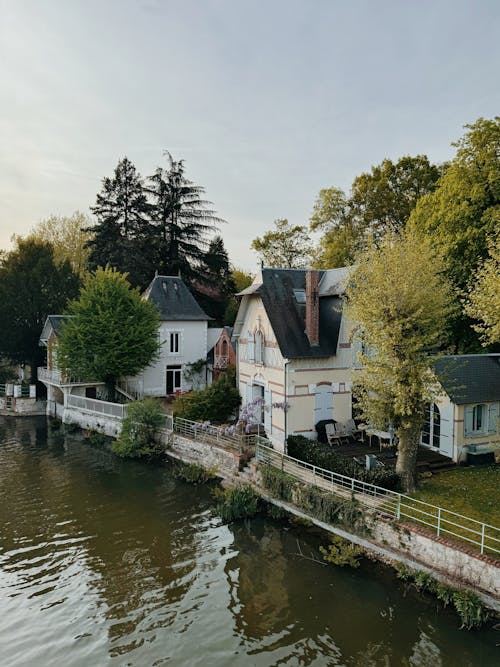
point(300, 295)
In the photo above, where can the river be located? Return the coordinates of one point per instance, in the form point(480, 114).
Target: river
point(111, 562)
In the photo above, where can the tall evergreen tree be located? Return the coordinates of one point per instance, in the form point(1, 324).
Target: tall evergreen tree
point(217, 287)
point(122, 231)
point(182, 221)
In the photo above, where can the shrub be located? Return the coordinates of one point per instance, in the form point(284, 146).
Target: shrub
point(279, 484)
point(469, 607)
point(218, 402)
point(342, 552)
point(140, 429)
point(236, 502)
point(95, 438)
point(192, 473)
point(324, 456)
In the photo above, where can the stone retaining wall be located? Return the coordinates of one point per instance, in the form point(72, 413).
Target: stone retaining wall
point(106, 424)
point(225, 462)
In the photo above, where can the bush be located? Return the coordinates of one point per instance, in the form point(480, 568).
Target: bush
point(341, 552)
point(325, 457)
point(140, 429)
point(192, 473)
point(279, 484)
point(218, 402)
point(95, 438)
point(237, 502)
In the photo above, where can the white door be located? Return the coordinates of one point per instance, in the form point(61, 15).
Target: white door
point(323, 402)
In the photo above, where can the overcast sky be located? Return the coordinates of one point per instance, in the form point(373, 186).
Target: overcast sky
point(267, 101)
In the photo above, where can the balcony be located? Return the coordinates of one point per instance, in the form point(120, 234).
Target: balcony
point(221, 362)
point(57, 377)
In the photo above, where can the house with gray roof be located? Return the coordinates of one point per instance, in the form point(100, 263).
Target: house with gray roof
point(294, 350)
point(466, 414)
point(183, 338)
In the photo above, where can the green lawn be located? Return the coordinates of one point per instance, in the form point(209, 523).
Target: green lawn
point(473, 492)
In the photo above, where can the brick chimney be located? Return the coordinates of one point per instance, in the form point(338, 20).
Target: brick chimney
point(312, 307)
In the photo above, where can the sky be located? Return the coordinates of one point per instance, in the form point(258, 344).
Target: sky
point(266, 101)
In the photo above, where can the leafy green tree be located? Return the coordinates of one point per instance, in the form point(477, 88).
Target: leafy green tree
point(241, 281)
point(32, 286)
point(403, 303)
point(287, 246)
point(484, 295)
point(113, 332)
point(182, 221)
point(380, 201)
point(217, 402)
point(465, 208)
point(140, 432)
point(68, 237)
point(121, 237)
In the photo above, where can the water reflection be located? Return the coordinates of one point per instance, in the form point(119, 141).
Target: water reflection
point(111, 562)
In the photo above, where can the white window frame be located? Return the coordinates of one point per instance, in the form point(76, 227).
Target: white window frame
point(175, 343)
point(259, 347)
point(483, 427)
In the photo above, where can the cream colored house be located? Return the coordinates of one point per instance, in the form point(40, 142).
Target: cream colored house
point(467, 413)
point(293, 347)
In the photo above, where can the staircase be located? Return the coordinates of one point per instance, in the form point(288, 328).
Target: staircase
point(249, 472)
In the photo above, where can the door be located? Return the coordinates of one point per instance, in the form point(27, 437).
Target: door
point(174, 379)
point(323, 402)
point(446, 433)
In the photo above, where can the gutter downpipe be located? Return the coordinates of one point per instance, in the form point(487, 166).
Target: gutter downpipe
point(285, 447)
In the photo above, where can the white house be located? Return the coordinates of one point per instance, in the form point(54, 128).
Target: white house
point(183, 338)
point(467, 412)
point(294, 347)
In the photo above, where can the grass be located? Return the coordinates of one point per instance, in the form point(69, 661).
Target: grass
point(472, 492)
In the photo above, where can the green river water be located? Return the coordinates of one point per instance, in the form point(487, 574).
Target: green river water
point(110, 562)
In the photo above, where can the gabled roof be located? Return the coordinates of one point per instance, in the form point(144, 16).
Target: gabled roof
point(287, 315)
point(470, 378)
point(53, 323)
point(173, 300)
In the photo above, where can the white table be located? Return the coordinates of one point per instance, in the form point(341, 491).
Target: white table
point(383, 436)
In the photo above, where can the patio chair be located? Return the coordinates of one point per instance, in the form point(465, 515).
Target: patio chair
point(341, 432)
point(351, 427)
point(331, 435)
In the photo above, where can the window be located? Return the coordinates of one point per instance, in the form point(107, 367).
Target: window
point(300, 295)
point(259, 347)
point(478, 417)
point(174, 379)
point(431, 429)
point(224, 348)
point(175, 342)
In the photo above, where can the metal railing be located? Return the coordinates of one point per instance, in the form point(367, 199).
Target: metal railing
point(56, 376)
point(96, 406)
point(212, 434)
point(397, 506)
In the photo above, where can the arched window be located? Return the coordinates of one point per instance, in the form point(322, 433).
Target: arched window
point(259, 347)
point(431, 430)
point(224, 348)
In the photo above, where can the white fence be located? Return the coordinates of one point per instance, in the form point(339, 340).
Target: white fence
point(95, 406)
point(212, 434)
point(396, 505)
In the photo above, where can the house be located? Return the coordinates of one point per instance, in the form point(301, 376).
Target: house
point(183, 338)
point(294, 351)
point(467, 412)
point(59, 386)
point(223, 353)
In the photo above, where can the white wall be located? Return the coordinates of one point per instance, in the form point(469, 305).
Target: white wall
point(193, 346)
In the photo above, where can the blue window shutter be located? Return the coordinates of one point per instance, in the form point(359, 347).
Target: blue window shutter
point(493, 418)
point(267, 410)
point(251, 347)
point(468, 420)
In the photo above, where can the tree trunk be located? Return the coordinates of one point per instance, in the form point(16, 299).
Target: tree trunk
point(406, 465)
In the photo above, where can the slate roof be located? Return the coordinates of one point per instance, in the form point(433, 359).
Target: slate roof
point(174, 300)
point(288, 317)
point(470, 378)
point(53, 322)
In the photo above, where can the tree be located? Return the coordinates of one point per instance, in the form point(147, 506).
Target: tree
point(217, 288)
point(182, 221)
point(484, 295)
point(464, 211)
point(380, 201)
point(32, 286)
point(113, 332)
point(140, 432)
point(121, 237)
point(68, 238)
point(288, 246)
point(402, 302)
point(241, 281)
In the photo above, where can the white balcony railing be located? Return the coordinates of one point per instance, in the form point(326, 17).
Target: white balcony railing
point(55, 376)
point(95, 406)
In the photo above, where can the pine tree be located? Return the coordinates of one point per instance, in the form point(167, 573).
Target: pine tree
point(182, 221)
point(216, 289)
point(122, 231)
